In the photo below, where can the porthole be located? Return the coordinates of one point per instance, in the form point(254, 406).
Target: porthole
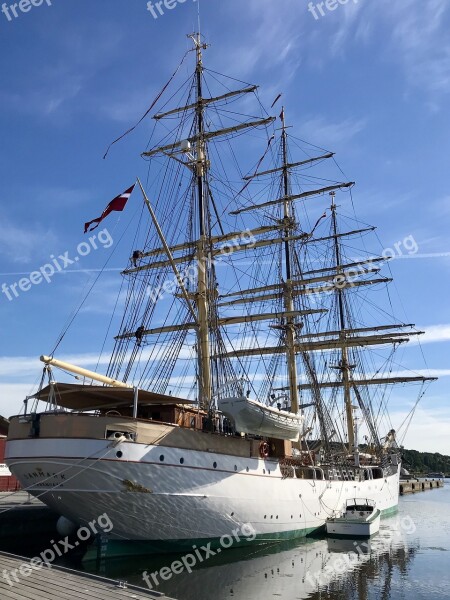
point(215, 465)
point(277, 517)
point(161, 458)
point(247, 469)
point(264, 471)
point(265, 516)
point(119, 454)
point(181, 461)
point(235, 467)
point(232, 514)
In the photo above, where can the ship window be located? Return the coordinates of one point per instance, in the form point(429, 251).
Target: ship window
point(377, 473)
point(265, 516)
point(232, 514)
point(235, 467)
point(181, 461)
point(247, 469)
point(161, 458)
point(119, 454)
point(264, 471)
point(215, 465)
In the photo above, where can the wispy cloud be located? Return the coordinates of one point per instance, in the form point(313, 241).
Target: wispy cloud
point(20, 243)
point(273, 38)
point(420, 33)
point(317, 129)
point(78, 57)
point(415, 36)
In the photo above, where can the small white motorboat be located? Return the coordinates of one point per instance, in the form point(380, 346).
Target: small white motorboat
point(360, 519)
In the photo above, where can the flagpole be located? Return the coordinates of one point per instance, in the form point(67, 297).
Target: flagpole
point(168, 252)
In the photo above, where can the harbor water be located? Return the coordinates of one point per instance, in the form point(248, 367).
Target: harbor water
point(408, 558)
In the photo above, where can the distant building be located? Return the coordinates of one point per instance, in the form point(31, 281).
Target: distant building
point(8, 483)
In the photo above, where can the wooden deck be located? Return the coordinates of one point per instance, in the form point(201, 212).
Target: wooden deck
point(59, 583)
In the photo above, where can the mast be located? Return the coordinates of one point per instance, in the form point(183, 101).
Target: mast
point(288, 296)
point(202, 296)
point(344, 365)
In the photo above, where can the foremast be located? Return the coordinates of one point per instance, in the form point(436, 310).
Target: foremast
point(192, 153)
point(202, 296)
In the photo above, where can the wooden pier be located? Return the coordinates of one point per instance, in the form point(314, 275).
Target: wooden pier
point(413, 486)
point(59, 583)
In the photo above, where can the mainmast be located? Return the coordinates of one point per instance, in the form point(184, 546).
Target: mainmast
point(344, 365)
point(288, 296)
point(202, 296)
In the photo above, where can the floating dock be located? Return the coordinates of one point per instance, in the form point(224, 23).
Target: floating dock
point(54, 583)
point(411, 487)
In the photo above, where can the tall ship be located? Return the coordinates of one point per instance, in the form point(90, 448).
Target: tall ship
point(256, 357)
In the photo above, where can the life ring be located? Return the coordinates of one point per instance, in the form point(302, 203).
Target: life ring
point(264, 449)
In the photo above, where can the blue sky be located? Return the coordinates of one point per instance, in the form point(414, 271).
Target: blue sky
point(369, 80)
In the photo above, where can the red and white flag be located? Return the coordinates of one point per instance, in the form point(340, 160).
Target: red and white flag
point(118, 204)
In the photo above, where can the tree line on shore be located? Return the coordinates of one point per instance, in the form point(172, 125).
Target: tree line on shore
point(425, 462)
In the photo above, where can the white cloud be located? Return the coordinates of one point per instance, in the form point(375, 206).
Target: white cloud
point(434, 333)
point(12, 396)
point(428, 431)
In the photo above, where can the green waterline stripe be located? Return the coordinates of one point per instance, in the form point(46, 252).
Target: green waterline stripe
point(111, 548)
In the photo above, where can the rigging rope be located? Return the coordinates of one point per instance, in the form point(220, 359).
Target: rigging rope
point(151, 107)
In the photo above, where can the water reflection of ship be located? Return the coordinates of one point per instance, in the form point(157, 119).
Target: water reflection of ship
point(289, 570)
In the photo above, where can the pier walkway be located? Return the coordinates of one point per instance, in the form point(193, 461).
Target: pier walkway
point(59, 583)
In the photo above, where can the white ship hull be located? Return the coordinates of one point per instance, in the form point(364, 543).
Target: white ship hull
point(207, 496)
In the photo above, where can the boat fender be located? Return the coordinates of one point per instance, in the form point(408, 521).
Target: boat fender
point(264, 449)
point(65, 527)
